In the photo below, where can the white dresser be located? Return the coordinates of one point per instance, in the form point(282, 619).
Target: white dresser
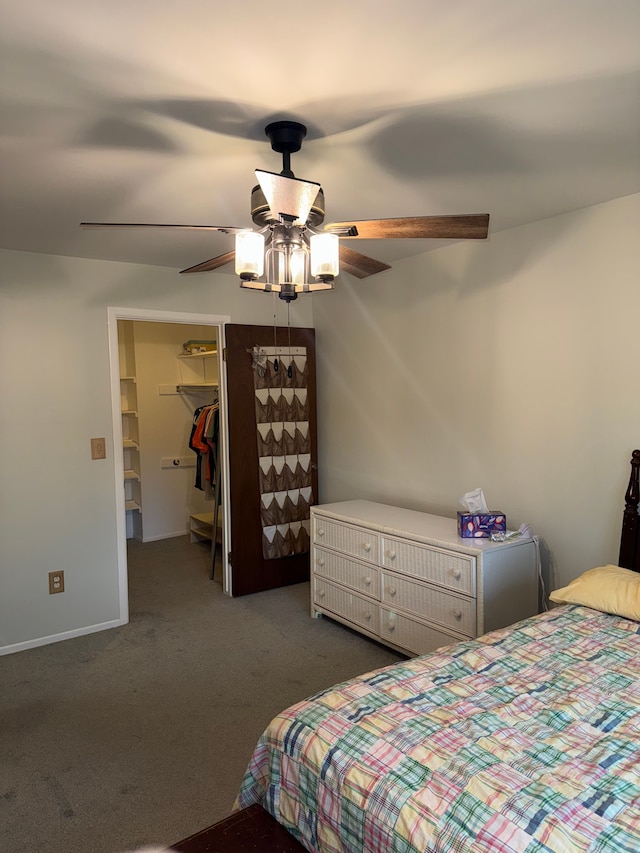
point(409, 580)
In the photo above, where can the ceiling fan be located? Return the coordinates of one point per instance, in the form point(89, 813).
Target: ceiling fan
point(289, 213)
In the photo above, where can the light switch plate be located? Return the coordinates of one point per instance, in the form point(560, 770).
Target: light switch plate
point(98, 448)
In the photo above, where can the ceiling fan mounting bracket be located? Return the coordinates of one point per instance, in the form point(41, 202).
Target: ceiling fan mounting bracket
point(286, 138)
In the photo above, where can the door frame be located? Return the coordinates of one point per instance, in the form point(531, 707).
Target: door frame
point(178, 318)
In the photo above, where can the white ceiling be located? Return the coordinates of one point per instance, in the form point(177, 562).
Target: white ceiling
point(154, 111)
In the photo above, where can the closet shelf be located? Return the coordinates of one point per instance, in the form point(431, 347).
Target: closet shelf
point(198, 371)
point(131, 412)
point(132, 505)
point(209, 354)
point(201, 526)
point(130, 474)
point(130, 443)
point(127, 379)
point(202, 533)
point(195, 386)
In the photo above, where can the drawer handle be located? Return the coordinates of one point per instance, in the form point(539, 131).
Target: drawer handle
point(321, 593)
point(457, 614)
point(367, 581)
point(392, 590)
point(367, 546)
point(391, 625)
point(321, 561)
point(392, 555)
point(367, 615)
point(321, 531)
point(456, 573)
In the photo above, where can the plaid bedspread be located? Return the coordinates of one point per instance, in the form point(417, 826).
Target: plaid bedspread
point(527, 739)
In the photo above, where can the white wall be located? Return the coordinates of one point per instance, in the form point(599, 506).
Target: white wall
point(510, 364)
point(57, 506)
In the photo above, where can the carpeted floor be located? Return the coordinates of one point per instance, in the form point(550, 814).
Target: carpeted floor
point(142, 733)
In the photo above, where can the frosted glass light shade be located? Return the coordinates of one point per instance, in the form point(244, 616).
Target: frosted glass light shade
point(325, 255)
point(297, 267)
point(249, 254)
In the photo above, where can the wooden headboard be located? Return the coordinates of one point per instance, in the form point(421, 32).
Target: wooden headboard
point(630, 538)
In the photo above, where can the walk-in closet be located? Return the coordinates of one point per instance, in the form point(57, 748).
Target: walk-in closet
point(169, 393)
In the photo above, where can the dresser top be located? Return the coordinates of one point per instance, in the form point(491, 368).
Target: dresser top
point(421, 526)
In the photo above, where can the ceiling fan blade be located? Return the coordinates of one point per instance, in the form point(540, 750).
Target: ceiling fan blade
point(224, 229)
point(359, 265)
point(472, 226)
point(288, 196)
point(212, 264)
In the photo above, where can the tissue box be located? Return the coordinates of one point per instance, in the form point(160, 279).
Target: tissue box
point(480, 525)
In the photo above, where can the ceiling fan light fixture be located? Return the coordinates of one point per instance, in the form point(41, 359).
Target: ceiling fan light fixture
point(325, 256)
point(249, 255)
point(287, 290)
point(288, 254)
point(287, 258)
point(289, 261)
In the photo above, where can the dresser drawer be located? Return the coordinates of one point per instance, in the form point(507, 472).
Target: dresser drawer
point(412, 635)
point(355, 608)
point(352, 573)
point(355, 541)
point(445, 568)
point(453, 612)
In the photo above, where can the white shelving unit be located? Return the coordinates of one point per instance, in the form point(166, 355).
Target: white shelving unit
point(131, 458)
point(130, 432)
point(198, 371)
point(201, 527)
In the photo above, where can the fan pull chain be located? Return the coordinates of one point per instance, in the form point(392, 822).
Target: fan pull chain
point(276, 363)
point(290, 368)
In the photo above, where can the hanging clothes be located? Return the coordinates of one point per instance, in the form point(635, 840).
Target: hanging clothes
point(205, 434)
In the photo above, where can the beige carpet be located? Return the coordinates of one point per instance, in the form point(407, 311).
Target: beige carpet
point(141, 734)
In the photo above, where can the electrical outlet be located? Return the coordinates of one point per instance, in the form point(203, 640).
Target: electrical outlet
point(98, 448)
point(56, 582)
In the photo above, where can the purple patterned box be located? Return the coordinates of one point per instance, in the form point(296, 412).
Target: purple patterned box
point(480, 525)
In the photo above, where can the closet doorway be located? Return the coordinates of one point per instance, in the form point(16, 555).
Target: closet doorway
point(155, 474)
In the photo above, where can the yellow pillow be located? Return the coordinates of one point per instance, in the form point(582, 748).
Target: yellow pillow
point(607, 588)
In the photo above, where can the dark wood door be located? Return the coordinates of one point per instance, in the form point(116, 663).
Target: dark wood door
point(250, 570)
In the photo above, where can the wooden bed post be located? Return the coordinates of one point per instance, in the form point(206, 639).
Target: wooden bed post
point(630, 537)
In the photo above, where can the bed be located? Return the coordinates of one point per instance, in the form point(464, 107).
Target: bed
point(526, 739)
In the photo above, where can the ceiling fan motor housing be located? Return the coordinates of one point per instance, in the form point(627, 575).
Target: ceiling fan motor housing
point(261, 212)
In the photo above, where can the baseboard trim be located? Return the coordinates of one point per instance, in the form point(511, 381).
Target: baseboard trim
point(164, 536)
point(58, 638)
